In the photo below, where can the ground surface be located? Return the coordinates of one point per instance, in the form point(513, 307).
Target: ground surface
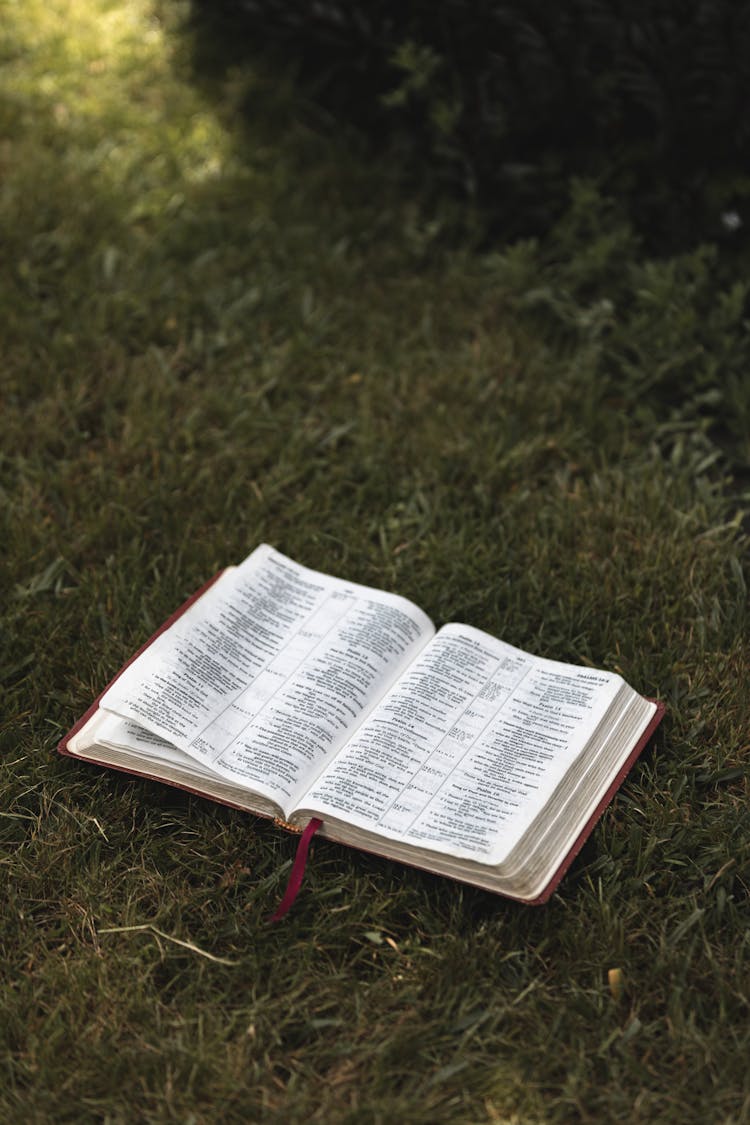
point(222, 328)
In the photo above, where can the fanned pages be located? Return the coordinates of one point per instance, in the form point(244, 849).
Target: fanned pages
point(294, 694)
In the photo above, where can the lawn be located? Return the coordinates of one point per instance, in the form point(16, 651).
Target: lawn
point(223, 324)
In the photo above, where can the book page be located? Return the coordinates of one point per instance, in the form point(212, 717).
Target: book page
point(466, 748)
point(117, 733)
point(267, 674)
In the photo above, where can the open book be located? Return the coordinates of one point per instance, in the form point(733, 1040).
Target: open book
point(297, 695)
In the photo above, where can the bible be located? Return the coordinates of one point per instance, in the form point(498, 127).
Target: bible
point(299, 696)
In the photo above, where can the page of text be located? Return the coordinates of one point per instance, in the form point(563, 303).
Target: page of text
point(267, 674)
point(467, 747)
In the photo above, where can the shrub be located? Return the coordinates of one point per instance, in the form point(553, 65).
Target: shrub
point(505, 99)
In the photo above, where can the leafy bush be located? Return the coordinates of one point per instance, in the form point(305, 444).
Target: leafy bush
point(664, 340)
point(505, 99)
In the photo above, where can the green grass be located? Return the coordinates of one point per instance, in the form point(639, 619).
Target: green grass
point(220, 328)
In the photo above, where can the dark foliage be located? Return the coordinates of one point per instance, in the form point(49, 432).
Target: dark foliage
point(505, 99)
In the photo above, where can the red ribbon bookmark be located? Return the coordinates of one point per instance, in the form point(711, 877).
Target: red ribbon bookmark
point(298, 869)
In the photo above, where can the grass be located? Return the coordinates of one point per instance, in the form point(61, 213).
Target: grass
point(221, 328)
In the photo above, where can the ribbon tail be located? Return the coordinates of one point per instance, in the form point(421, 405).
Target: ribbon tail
point(298, 869)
